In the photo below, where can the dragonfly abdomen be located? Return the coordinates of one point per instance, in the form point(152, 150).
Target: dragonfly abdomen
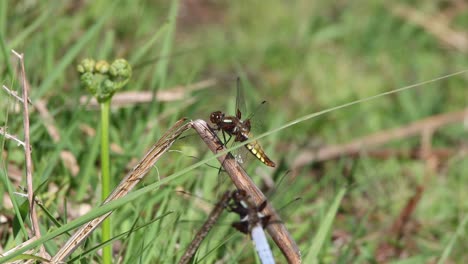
point(258, 152)
point(261, 245)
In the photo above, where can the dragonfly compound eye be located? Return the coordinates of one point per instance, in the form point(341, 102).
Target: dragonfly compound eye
point(216, 117)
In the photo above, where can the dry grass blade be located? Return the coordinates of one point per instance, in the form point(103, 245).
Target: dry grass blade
point(27, 154)
point(124, 187)
point(4, 133)
point(14, 94)
point(242, 181)
point(18, 247)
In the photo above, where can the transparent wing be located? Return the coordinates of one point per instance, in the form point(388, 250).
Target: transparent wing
point(258, 112)
point(257, 126)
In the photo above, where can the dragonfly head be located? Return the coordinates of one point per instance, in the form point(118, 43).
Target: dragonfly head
point(216, 117)
point(239, 195)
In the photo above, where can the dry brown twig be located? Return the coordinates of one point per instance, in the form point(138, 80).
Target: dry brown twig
point(434, 25)
point(14, 94)
point(377, 139)
point(387, 249)
point(123, 99)
point(12, 137)
point(27, 153)
point(413, 153)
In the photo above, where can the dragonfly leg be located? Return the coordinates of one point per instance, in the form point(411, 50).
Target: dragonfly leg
point(225, 142)
point(224, 137)
point(266, 221)
point(262, 206)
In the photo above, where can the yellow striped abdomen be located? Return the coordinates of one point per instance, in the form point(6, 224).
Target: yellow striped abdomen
point(257, 151)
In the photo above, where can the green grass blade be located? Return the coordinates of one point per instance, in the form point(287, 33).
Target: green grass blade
point(161, 71)
point(32, 28)
point(117, 237)
point(449, 247)
point(87, 168)
point(324, 229)
point(72, 53)
point(142, 51)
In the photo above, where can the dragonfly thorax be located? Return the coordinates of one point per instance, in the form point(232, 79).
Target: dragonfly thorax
point(250, 215)
point(231, 125)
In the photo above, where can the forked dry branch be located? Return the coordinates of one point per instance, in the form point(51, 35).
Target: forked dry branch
point(242, 181)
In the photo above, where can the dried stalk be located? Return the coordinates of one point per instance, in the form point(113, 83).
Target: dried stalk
point(27, 156)
point(4, 133)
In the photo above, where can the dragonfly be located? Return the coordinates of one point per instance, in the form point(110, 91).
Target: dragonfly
point(252, 221)
point(234, 126)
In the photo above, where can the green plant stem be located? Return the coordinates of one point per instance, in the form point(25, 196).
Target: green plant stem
point(105, 173)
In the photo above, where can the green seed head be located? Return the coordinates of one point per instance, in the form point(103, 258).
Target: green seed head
point(103, 80)
point(120, 72)
point(87, 65)
point(102, 67)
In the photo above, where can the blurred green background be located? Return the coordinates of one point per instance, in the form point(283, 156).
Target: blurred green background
point(300, 56)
